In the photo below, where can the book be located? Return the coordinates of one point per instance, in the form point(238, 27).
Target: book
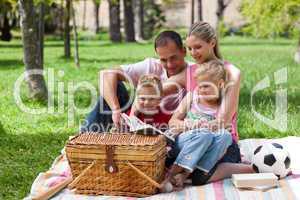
point(255, 180)
point(138, 126)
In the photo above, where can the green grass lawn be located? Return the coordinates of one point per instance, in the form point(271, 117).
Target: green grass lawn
point(29, 143)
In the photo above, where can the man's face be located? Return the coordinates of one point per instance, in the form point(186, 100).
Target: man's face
point(171, 57)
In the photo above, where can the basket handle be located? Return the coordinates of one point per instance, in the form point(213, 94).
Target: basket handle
point(142, 174)
point(77, 179)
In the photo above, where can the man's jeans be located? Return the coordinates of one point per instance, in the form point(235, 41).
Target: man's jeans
point(97, 121)
point(201, 148)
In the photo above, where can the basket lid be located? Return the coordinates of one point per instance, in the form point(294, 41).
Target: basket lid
point(115, 139)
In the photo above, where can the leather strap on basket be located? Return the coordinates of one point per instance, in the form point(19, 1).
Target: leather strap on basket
point(110, 166)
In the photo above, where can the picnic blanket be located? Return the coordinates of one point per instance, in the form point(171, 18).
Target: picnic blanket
point(289, 186)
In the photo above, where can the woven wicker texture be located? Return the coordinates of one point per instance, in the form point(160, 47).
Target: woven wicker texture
point(147, 153)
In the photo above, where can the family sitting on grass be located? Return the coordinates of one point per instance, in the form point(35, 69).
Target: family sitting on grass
point(198, 101)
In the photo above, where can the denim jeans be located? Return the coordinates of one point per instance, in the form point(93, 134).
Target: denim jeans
point(97, 121)
point(201, 148)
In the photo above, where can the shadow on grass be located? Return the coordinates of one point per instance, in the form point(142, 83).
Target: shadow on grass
point(2, 131)
point(256, 43)
point(10, 45)
point(10, 63)
point(118, 60)
point(23, 157)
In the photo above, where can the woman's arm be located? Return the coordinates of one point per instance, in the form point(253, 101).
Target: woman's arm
point(176, 122)
point(230, 101)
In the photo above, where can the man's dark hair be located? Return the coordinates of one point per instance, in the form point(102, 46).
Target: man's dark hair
point(164, 37)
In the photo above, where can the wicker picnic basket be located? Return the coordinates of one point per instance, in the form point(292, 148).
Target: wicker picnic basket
point(116, 164)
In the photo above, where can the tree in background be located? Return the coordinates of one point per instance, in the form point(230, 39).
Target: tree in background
point(96, 15)
point(129, 21)
point(8, 18)
point(36, 82)
point(114, 21)
point(67, 37)
point(153, 18)
point(41, 30)
point(138, 6)
point(273, 18)
point(200, 14)
point(84, 15)
point(76, 49)
point(221, 6)
point(192, 12)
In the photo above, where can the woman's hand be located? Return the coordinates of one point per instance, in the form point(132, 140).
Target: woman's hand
point(216, 125)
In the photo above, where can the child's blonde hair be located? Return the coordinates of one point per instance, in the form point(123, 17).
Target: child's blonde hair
point(214, 69)
point(150, 80)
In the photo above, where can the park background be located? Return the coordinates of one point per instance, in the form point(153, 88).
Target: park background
point(82, 37)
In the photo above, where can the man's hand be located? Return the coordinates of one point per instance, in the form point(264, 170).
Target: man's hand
point(116, 118)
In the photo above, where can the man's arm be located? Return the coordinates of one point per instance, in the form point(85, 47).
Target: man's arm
point(108, 90)
point(229, 104)
point(173, 84)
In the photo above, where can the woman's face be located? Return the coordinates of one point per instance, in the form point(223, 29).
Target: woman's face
point(199, 49)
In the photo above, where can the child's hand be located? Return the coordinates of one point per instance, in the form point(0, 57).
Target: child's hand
point(173, 132)
point(195, 124)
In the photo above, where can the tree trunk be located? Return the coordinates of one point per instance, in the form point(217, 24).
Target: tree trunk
point(192, 12)
point(84, 15)
point(139, 19)
point(76, 53)
point(41, 30)
point(221, 6)
point(200, 16)
point(220, 9)
point(67, 37)
point(96, 14)
point(5, 31)
point(297, 54)
point(62, 20)
point(114, 21)
point(36, 82)
point(128, 21)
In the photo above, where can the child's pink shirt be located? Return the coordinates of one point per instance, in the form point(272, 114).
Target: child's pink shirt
point(192, 84)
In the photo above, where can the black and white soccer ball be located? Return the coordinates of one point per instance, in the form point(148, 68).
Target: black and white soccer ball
point(273, 158)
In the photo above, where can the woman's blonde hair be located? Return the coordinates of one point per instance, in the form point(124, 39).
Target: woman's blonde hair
point(205, 32)
point(214, 69)
point(150, 80)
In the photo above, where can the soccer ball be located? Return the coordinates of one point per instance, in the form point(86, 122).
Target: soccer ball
point(272, 158)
